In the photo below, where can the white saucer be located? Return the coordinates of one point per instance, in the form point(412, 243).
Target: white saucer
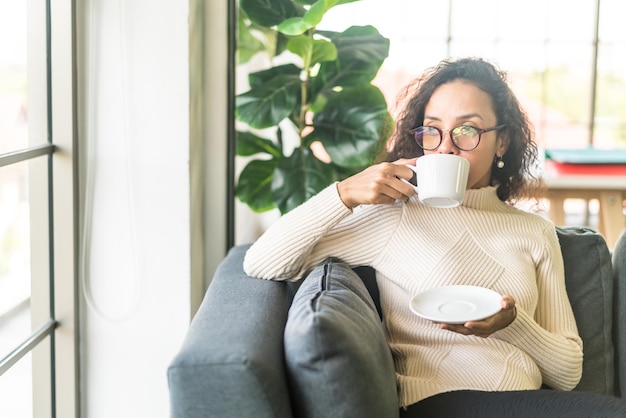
point(456, 304)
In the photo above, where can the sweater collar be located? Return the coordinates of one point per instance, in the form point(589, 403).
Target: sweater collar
point(483, 198)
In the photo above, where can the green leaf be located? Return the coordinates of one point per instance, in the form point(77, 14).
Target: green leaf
point(314, 15)
point(294, 26)
point(361, 51)
point(352, 124)
point(281, 43)
point(249, 144)
point(362, 43)
point(260, 78)
point(319, 9)
point(299, 177)
point(334, 2)
point(247, 44)
point(254, 187)
point(301, 46)
point(323, 51)
point(332, 75)
point(312, 51)
point(268, 12)
point(269, 103)
point(319, 103)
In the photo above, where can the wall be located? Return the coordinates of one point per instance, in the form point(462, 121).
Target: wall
point(133, 66)
point(209, 125)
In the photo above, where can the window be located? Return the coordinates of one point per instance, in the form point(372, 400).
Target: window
point(38, 322)
point(567, 64)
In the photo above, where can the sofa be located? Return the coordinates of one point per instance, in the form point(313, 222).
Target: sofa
point(248, 350)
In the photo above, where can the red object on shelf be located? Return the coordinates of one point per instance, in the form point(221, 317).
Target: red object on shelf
point(576, 169)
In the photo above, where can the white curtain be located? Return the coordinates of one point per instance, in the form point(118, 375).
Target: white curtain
point(134, 141)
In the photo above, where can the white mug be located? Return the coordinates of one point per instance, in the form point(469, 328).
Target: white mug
point(441, 179)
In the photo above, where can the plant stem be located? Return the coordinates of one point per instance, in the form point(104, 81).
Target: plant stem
point(304, 106)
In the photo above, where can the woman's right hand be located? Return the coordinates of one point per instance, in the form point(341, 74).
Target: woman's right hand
point(378, 184)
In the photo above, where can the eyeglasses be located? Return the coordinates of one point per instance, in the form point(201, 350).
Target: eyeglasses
point(464, 137)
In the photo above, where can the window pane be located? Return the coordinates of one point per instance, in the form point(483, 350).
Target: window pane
point(15, 274)
point(13, 77)
point(16, 271)
point(610, 119)
point(522, 20)
point(487, 49)
point(426, 55)
point(421, 19)
point(472, 20)
point(16, 388)
point(524, 57)
point(612, 21)
point(547, 47)
point(567, 94)
point(572, 21)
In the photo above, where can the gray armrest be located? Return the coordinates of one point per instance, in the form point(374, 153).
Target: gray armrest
point(619, 312)
point(231, 362)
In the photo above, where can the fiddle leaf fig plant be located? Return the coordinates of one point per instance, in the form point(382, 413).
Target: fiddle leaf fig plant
point(317, 89)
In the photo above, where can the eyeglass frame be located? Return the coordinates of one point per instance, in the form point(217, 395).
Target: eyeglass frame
point(413, 132)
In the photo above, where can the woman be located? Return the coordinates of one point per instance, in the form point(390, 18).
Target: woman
point(465, 108)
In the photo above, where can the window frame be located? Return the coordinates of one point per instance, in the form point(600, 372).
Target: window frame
point(54, 279)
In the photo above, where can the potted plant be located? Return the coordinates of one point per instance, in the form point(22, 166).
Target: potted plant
point(323, 94)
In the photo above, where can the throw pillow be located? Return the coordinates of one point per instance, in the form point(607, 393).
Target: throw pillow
point(619, 311)
point(338, 361)
point(589, 283)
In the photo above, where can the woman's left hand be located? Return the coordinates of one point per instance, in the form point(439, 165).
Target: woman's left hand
point(487, 326)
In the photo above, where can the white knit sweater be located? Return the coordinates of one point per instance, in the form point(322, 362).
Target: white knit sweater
point(412, 247)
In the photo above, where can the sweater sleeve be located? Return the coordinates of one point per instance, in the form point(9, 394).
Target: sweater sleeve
point(321, 227)
point(549, 335)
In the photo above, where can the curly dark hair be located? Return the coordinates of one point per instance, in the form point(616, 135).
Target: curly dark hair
point(516, 179)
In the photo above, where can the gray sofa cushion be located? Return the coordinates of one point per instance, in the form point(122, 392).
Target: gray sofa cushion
point(619, 312)
point(338, 361)
point(589, 282)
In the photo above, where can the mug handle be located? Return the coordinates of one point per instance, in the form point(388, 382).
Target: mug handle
point(413, 180)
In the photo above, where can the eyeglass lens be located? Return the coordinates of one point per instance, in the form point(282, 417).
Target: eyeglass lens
point(465, 137)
